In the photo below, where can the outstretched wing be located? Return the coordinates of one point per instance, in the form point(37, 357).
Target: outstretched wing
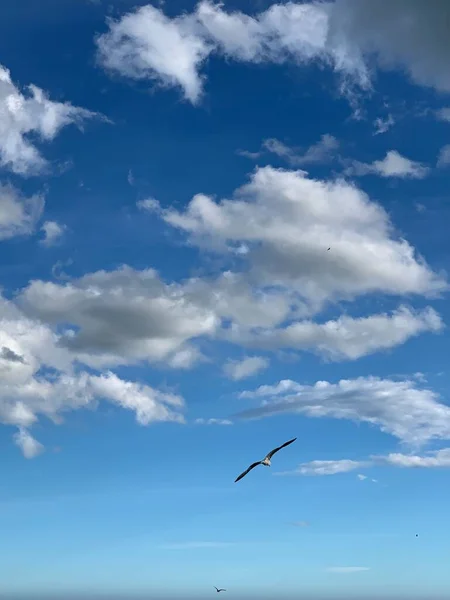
point(255, 464)
point(222, 590)
point(217, 589)
point(272, 452)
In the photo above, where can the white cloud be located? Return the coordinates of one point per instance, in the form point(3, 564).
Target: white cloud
point(392, 165)
point(248, 366)
point(28, 445)
point(195, 545)
point(288, 220)
point(213, 421)
point(444, 156)
point(399, 408)
point(146, 44)
point(347, 569)
point(25, 117)
point(320, 152)
point(361, 477)
point(122, 317)
point(18, 214)
point(53, 232)
point(345, 337)
point(325, 467)
point(437, 458)
point(149, 204)
point(344, 35)
point(46, 382)
point(383, 125)
point(443, 114)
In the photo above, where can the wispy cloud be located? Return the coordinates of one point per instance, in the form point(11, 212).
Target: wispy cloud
point(213, 421)
point(195, 545)
point(382, 125)
point(322, 151)
point(347, 569)
point(325, 467)
point(392, 165)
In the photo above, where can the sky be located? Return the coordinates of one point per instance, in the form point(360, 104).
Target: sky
point(223, 227)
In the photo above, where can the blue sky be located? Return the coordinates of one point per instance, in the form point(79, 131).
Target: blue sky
point(222, 227)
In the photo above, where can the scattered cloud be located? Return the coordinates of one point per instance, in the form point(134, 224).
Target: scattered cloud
point(400, 408)
point(444, 157)
point(248, 366)
point(392, 165)
point(267, 214)
point(325, 467)
point(343, 35)
point(24, 118)
point(346, 337)
point(146, 44)
point(49, 382)
point(29, 446)
point(149, 204)
point(213, 421)
point(436, 458)
point(344, 570)
point(443, 114)
point(361, 477)
point(320, 152)
point(382, 125)
point(18, 214)
point(122, 317)
point(300, 523)
point(53, 232)
point(195, 545)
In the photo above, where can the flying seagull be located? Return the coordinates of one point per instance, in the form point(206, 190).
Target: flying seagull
point(219, 589)
point(265, 461)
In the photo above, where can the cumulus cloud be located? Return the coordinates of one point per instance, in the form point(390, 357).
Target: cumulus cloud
point(40, 378)
point(287, 221)
point(122, 317)
point(345, 337)
point(28, 445)
point(343, 35)
point(23, 118)
point(18, 214)
point(146, 44)
point(400, 408)
point(9, 355)
point(392, 165)
point(248, 366)
point(53, 232)
point(436, 458)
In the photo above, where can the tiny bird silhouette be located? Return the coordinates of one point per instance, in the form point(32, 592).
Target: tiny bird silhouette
point(266, 461)
point(219, 589)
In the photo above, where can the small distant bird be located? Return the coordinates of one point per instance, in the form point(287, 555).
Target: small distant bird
point(328, 249)
point(266, 461)
point(219, 589)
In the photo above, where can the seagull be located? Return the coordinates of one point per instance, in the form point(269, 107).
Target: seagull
point(219, 589)
point(265, 461)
